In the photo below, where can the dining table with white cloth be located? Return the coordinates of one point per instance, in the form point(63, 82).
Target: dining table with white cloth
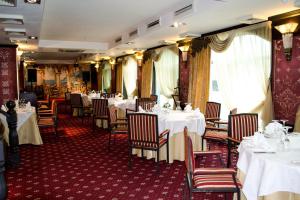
point(175, 121)
point(27, 128)
point(270, 171)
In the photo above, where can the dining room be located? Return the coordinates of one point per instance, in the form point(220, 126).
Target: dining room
point(195, 99)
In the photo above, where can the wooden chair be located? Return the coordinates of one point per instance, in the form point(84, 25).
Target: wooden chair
point(48, 119)
point(215, 133)
point(67, 100)
point(239, 126)
point(100, 111)
point(115, 124)
point(145, 103)
point(76, 102)
point(212, 112)
point(143, 134)
point(220, 180)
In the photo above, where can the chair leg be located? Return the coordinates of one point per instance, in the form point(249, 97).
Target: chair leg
point(142, 153)
point(157, 151)
point(239, 194)
point(202, 143)
point(93, 122)
point(168, 159)
point(229, 154)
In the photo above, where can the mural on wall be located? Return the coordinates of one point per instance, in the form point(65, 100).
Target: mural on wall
point(286, 81)
point(59, 79)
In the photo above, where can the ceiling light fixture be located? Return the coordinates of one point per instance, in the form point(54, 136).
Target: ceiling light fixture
point(184, 48)
point(32, 37)
point(177, 24)
point(287, 31)
point(32, 1)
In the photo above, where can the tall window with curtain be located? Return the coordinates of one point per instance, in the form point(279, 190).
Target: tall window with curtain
point(166, 74)
point(239, 75)
point(106, 77)
point(129, 70)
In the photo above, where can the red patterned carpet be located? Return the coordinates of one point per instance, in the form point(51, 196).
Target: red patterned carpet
point(77, 165)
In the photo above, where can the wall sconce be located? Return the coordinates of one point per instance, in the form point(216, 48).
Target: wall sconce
point(139, 58)
point(184, 49)
point(287, 38)
point(112, 61)
point(97, 66)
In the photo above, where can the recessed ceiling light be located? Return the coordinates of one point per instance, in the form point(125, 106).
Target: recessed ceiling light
point(33, 1)
point(11, 19)
point(18, 39)
point(177, 24)
point(129, 43)
point(32, 37)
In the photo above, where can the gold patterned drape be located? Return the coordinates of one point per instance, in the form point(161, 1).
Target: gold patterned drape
point(119, 78)
point(147, 70)
point(199, 78)
point(99, 78)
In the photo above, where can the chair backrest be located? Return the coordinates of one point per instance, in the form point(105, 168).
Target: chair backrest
point(188, 152)
point(67, 96)
point(242, 125)
point(143, 130)
point(100, 107)
point(212, 110)
point(29, 97)
point(153, 97)
point(76, 100)
point(112, 114)
point(145, 103)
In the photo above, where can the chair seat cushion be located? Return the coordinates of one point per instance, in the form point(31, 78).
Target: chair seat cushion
point(120, 130)
point(216, 135)
point(215, 181)
point(214, 170)
point(46, 122)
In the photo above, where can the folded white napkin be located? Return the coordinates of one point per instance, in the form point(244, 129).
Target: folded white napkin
point(197, 112)
point(156, 108)
point(141, 109)
point(188, 108)
point(3, 108)
point(258, 143)
point(274, 129)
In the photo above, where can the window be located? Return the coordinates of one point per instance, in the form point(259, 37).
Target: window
point(239, 76)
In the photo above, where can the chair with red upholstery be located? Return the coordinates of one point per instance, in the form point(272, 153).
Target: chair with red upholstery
point(116, 125)
point(76, 102)
point(220, 180)
point(212, 112)
point(239, 126)
point(100, 111)
point(215, 133)
point(144, 134)
point(48, 119)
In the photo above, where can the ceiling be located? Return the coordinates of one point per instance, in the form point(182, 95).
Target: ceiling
point(117, 27)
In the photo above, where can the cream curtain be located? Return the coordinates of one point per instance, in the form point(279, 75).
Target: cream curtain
point(244, 72)
point(166, 68)
point(199, 78)
point(130, 76)
point(106, 74)
point(147, 78)
point(119, 78)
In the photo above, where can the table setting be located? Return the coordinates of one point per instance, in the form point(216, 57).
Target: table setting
point(269, 163)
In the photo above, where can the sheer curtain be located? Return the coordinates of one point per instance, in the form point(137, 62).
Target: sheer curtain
point(166, 69)
point(130, 75)
point(106, 74)
point(244, 71)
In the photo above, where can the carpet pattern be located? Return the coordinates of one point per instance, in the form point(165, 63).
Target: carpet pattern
point(77, 165)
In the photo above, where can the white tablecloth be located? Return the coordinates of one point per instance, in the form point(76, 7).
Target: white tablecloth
point(268, 173)
point(176, 121)
point(27, 128)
